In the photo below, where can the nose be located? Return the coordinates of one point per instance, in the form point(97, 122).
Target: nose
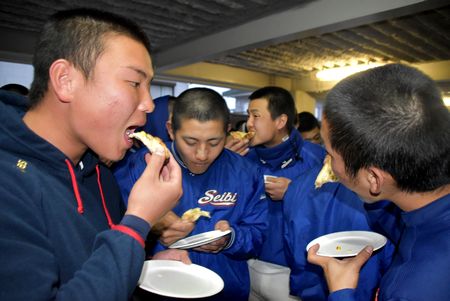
point(249, 122)
point(201, 153)
point(147, 104)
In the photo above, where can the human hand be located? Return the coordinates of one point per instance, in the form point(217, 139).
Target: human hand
point(340, 274)
point(237, 145)
point(157, 190)
point(276, 187)
point(218, 245)
point(172, 228)
point(173, 254)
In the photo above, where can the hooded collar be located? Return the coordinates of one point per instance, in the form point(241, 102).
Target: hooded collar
point(19, 102)
point(429, 213)
point(17, 138)
point(283, 154)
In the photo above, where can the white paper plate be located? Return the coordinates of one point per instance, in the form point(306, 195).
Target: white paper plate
point(267, 178)
point(347, 243)
point(199, 239)
point(175, 279)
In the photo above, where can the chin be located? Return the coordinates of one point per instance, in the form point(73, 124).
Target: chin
point(197, 170)
point(253, 142)
point(368, 200)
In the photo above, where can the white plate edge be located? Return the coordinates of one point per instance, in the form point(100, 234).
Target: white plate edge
point(327, 237)
point(177, 264)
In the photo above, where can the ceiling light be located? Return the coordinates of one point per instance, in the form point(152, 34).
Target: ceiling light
point(446, 101)
point(335, 74)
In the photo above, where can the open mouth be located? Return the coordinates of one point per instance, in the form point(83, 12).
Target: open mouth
point(129, 132)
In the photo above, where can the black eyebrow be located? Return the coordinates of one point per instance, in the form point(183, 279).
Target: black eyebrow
point(210, 139)
point(140, 71)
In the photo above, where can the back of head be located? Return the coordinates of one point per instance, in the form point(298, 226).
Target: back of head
point(16, 88)
point(78, 36)
point(156, 120)
point(307, 122)
point(392, 117)
point(280, 101)
point(201, 104)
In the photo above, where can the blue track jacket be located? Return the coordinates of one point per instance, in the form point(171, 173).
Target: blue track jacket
point(156, 120)
point(288, 159)
point(310, 213)
point(53, 246)
point(421, 266)
point(231, 189)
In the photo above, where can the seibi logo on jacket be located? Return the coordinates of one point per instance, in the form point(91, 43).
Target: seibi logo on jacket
point(213, 198)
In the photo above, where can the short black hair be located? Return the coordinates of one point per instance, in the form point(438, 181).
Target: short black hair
point(307, 122)
point(280, 101)
point(77, 35)
point(393, 118)
point(202, 104)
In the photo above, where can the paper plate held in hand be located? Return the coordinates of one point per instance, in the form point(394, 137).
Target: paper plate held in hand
point(347, 243)
point(269, 178)
point(199, 239)
point(175, 279)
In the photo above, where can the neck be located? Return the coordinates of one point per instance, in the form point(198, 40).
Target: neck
point(52, 126)
point(278, 138)
point(412, 201)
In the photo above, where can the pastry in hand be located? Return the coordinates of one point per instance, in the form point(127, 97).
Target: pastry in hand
point(242, 135)
point(154, 144)
point(326, 174)
point(192, 215)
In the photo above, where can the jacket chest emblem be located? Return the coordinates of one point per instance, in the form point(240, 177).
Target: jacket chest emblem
point(21, 165)
point(213, 197)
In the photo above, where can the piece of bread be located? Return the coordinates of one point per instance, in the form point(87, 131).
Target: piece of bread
point(242, 135)
point(192, 215)
point(326, 174)
point(154, 144)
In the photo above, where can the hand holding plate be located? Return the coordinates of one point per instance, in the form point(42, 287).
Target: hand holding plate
point(217, 245)
point(276, 187)
point(173, 254)
point(340, 274)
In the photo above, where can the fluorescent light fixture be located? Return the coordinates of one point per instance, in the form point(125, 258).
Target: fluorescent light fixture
point(335, 74)
point(447, 101)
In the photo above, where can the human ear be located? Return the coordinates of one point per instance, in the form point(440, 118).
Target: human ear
point(170, 130)
point(281, 121)
point(61, 75)
point(375, 178)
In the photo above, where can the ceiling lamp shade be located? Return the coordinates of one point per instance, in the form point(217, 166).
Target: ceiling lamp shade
point(335, 74)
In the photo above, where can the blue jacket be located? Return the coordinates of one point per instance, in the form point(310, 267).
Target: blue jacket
point(49, 250)
point(156, 120)
point(421, 266)
point(288, 159)
point(16, 101)
point(231, 189)
point(310, 213)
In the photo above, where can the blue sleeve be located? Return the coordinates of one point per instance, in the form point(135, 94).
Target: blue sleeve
point(306, 280)
point(249, 230)
point(114, 254)
point(310, 213)
point(342, 295)
point(30, 267)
